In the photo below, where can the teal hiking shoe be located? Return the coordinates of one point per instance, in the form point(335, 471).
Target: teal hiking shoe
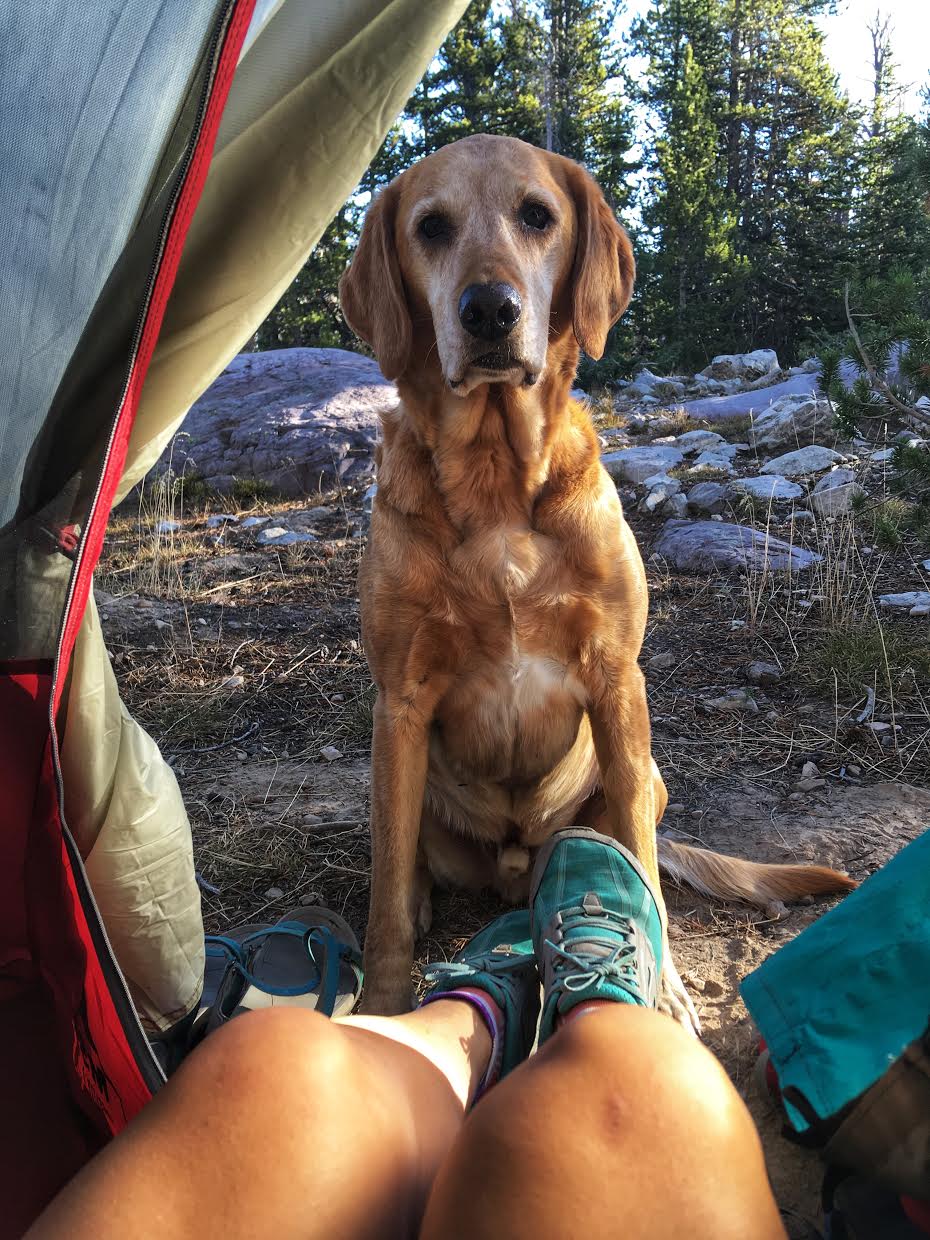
point(596, 925)
point(500, 961)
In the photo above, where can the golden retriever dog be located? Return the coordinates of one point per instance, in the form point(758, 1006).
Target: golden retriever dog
point(503, 595)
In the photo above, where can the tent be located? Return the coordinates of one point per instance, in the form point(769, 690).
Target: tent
point(164, 172)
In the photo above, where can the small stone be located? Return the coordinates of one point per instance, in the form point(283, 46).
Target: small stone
point(250, 523)
point(337, 697)
point(675, 807)
point(713, 989)
point(835, 492)
point(200, 620)
point(809, 785)
point(810, 770)
point(771, 489)
point(311, 820)
point(274, 893)
point(921, 609)
point(233, 682)
point(731, 702)
point(167, 527)
point(879, 727)
point(907, 600)
point(221, 518)
point(162, 624)
point(853, 769)
point(761, 673)
point(810, 460)
point(662, 662)
point(330, 753)
point(311, 897)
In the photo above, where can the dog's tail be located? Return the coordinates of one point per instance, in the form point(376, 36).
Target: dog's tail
point(732, 878)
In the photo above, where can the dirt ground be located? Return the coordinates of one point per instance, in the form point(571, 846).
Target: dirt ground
point(245, 664)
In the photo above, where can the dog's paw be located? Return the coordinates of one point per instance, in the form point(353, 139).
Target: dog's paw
point(674, 999)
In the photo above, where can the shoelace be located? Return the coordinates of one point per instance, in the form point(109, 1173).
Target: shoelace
point(461, 970)
point(588, 972)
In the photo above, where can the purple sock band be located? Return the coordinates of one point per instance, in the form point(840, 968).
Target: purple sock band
point(480, 1004)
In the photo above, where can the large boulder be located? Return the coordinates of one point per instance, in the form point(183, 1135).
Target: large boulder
point(810, 460)
point(713, 546)
point(295, 419)
point(745, 366)
point(790, 422)
point(638, 464)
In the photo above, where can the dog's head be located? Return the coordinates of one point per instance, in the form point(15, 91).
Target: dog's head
point(491, 248)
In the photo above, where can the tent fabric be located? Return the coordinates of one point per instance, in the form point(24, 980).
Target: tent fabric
point(65, 427)
point(314, 94)
point(841, 1002)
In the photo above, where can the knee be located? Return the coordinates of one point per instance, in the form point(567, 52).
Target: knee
point(641, 1071)
point(284, 1060)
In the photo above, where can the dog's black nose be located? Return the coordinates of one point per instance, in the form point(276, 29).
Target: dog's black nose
point(490, 311)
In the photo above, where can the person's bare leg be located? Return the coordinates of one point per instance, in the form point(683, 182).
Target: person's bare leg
point(285, 1124)
point(621, 1126)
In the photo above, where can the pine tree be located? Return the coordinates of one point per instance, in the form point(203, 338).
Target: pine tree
point(691, 270)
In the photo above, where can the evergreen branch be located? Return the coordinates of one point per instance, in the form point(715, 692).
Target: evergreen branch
point(878, 382)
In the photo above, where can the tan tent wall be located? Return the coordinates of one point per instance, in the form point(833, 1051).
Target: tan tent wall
point(315, 93)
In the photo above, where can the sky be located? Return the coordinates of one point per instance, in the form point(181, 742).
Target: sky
point(849, 46)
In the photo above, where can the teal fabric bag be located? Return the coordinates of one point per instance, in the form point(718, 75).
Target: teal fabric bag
point(839, 1004)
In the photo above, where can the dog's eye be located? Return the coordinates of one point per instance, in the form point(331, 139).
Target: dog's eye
point(534, 215)
point(433, 226)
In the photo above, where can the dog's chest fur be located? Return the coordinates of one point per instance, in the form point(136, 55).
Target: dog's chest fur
point(510, 744)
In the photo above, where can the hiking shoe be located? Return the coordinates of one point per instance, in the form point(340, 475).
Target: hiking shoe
point(499, 960)
point(595, 923)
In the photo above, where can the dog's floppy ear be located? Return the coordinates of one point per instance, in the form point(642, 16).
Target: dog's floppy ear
point(372, 292)
point(604, 269)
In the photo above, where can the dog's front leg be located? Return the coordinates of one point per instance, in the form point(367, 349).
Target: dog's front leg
point(620, 726)
point(398, 779)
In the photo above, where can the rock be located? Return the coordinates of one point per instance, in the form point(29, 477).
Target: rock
point(810, 460)
point(926, 565)
point(675, 506)
point(292, 418)
point(835, 492)
point(770, 489)
point(809, 785)
point(883, 454)
point(662, 662)
point(810, 770)
point(662, 480)
point(278, 536)
point(733, 701)
point(920, 609)
point(709, 546)
point(232, 682)
point(761, 673)
point(675, 808)
point(698, 441)
point(905, 601)
point(250, 523)
point(721, 451)
point(788, 422)
point(668, 390)
point(330, 753)
point(707, 497)
point(167, 527)
point(221, 518)
point(742, 365)
point(711, 460)
point(637, 464)
point(274, 893)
